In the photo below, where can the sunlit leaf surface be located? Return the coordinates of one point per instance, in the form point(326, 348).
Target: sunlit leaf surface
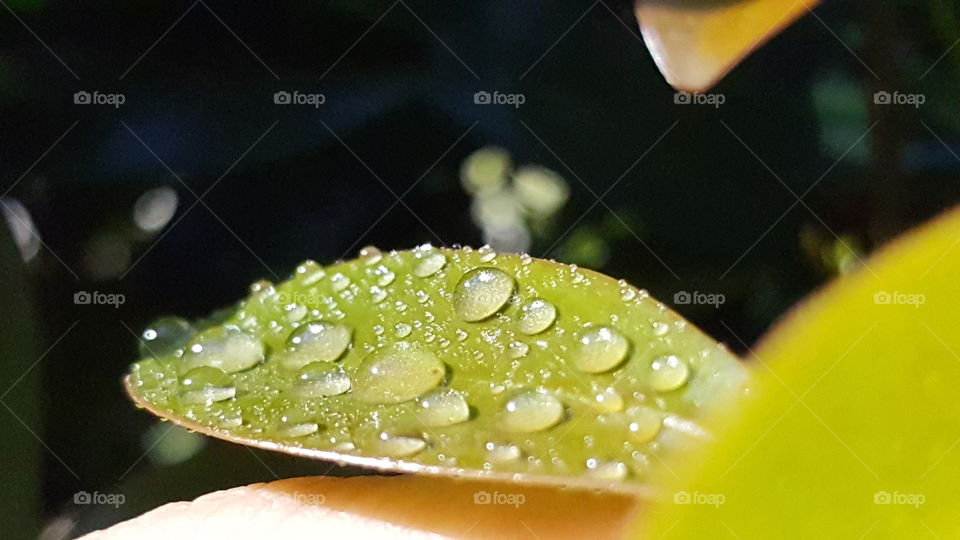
point(855, 429)
point(441, 361)
point(696, 42)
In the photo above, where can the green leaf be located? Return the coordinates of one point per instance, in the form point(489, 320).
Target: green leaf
point(854, 431)
point(453, 362)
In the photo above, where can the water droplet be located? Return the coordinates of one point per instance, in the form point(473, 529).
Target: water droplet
point(165, 336)
point(430, 264)
point(398, 445)
point(370, 255)
point(531, 411)
point(669, 373)
point(518, 349)
point(644, 423)
point(377, 294)
point(627, 294)
point(402, 330)
point(295, 312)
point(339, 282)
point(397, 373)
point(321, 379)
point(310, 272)
point(660, 328)
point(443, 407)
point(462, 335)
point(601, 349)
point(385, 276)
point(606, 470)
point(609, 401)
point(500, 452)
point(486, 253)
point(207, 384)
point(316, 341)
point(537, 316)
point(224, 347)
point(298, 429)
point(481, 292)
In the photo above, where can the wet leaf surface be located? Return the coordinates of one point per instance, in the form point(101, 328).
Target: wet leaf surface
point(456, 362)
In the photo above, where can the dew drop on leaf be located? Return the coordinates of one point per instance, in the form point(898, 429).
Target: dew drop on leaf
point(397, 373)
point(530, 412)
point(600, 349)
point(481, 292)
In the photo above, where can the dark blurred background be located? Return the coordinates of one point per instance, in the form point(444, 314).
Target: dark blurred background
point(103, 196)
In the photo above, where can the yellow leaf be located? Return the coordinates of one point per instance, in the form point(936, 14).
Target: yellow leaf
point(854, 427)
point(696, 42)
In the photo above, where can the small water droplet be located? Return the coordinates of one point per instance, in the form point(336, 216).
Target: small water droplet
point(224, 347)
point(669, 373)
point(518, 349)
point(430, 264)
point(316, 341)
point(385, 276)
point(321, 379)
point(310, 272)
point(609, 401)
point(600, 349)
point(486, 253)
point(644, 423)
point(481, 292)
point(531, 411)
point(606, 470)
point(443, 407)
point(370, 255)
point(397, 373)
point(502, 452)
point(298, 429)
point(377, 294)
point(339, 282)
point(165, 336)
point(462, 335)
point(206, 384)
point(402, 330)
point(295, 312)
point(660, 328)
point(398, 445)
point(627, 294)
point(537, 316)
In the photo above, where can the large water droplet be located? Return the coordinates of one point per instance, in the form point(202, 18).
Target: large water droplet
point(317, 341)
point(397, 373)
point(224, 347)
point(321, 379)
point(531, 411)
point(481, 292)
point(430, 264)
point(398, 445)
point(669, 373)
point(443, 408)
point(601, 349)
point(165, 336)
point(310, 272)
point(537, 316)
